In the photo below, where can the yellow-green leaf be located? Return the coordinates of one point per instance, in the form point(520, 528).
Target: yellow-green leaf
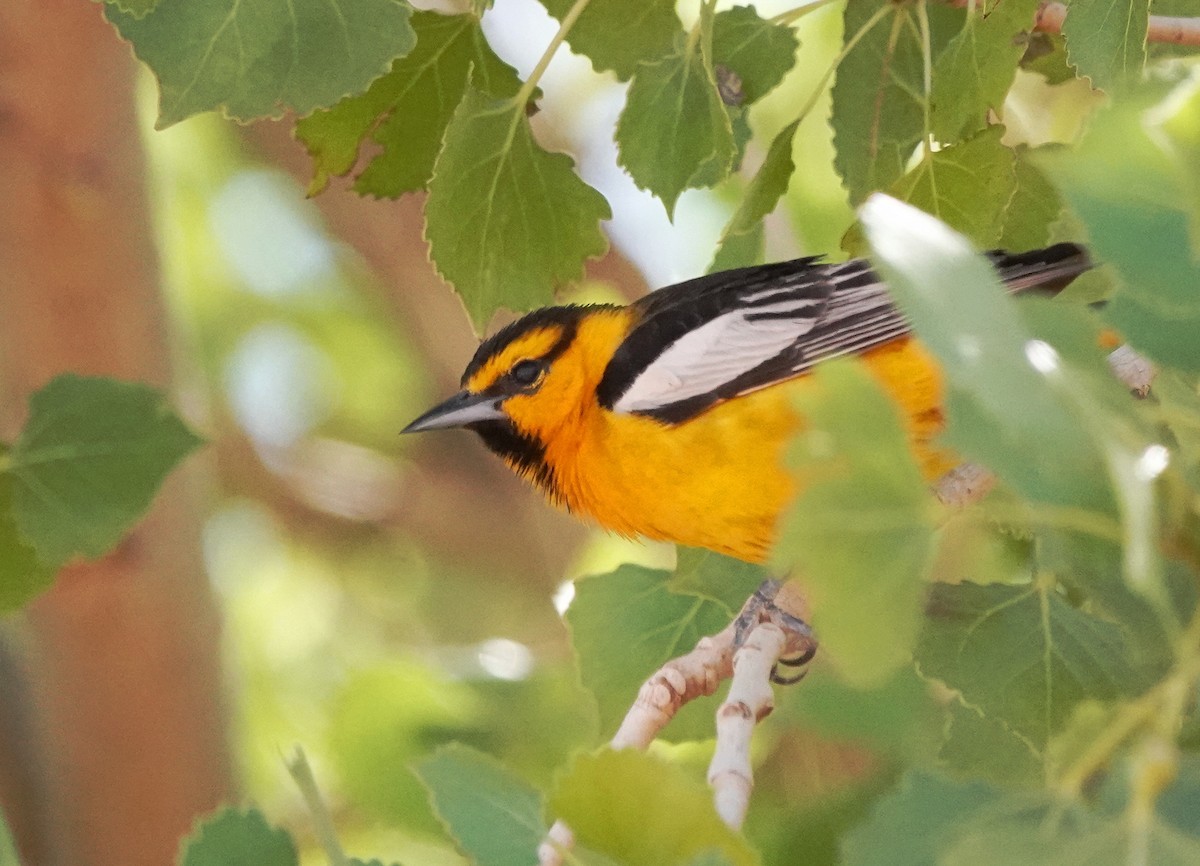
point(507, 222)
point(260, 58)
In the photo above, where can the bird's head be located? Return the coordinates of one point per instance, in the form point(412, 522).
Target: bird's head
point(528, 380)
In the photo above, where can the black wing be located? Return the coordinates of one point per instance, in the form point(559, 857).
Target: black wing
point(710, 339)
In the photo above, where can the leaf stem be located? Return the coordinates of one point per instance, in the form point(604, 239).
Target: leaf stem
point(1162, 707)
point(927, 70)
point(535, 76)
point(301, 772)
point(788, 17)
point(708, 8)
point(867, 27)
point(1061, 517)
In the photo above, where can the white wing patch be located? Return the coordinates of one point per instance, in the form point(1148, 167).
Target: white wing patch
point(717, 352)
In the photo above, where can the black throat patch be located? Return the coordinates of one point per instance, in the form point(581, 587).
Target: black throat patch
point(524, 454)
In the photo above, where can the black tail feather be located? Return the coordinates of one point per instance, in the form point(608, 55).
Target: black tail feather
point(1048, 270)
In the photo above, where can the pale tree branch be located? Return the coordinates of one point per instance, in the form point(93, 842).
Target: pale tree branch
point(749, 701)
point(1162, 28)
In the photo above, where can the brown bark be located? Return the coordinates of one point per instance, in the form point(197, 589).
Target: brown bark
point(125, 721)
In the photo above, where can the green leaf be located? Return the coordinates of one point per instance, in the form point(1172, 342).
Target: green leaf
point(507, 222)
point(861, 529)
point(674, 132)
point(1088, 723)
point(1121, 554)
point(407, 110)
point(260, 58)
point(740, 250)
point(1132, 198)
point(710, 858)
point(916, 822)
point(643, 811)
point(930, 819)
point(89, 461)
point(985, 749)
point(624, 626)
point(136, 8)
point(1002, 412)
point(383, 718)
point(232, 837)
point(892, 717)
point(759, 52)
point(977, 68)
point(1022, 655)
point(22, 575)
point(620, 34)
point(1086, 841)
point(723, 579)
point(1046, 55)
point(769, 185)
point(878, 114)
point(1106, 40)
point(495, 817)
point(1180, 121)
point(1033, 209)
point(967, 186)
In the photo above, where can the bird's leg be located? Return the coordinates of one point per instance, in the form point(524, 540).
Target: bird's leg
point(777, 602)
point(769, 631)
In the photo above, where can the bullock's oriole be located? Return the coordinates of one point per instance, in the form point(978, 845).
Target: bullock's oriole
point(668, 418)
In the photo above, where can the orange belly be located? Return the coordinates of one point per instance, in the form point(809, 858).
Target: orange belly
point(717, 481)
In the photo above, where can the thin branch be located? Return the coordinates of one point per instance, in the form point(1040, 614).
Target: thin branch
point(323, 828)
point(799, 12)
point(749, 701)
point(1164, 29)
point(674, 684)
point(535, 76)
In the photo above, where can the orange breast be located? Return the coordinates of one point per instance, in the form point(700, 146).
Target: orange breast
point(718, 481)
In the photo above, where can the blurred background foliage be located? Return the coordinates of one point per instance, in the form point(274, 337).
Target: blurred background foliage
point(382, 596)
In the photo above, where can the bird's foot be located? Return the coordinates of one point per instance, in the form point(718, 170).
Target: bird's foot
point(749, 651)
point(801, 646)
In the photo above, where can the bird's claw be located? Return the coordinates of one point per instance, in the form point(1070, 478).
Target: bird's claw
point(802, 646)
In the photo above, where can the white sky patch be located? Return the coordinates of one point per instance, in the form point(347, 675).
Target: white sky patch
point(274, 246)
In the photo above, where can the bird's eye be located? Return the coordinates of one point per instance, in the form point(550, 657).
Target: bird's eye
point(526, 372)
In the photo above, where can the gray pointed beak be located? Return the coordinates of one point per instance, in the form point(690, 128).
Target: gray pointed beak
point(461, 409)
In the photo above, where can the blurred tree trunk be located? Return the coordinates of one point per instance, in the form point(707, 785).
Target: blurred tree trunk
point(121, 741)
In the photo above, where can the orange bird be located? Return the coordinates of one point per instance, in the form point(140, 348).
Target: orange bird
point(668, 418)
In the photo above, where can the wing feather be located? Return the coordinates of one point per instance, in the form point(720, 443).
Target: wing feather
point(708, 340)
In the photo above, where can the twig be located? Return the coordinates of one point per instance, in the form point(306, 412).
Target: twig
point(674, 684)
point(1164, 29)
point(535, 76)
point(963, 485)
point(1134, 371)
point(750, 700)
point(301, 772)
